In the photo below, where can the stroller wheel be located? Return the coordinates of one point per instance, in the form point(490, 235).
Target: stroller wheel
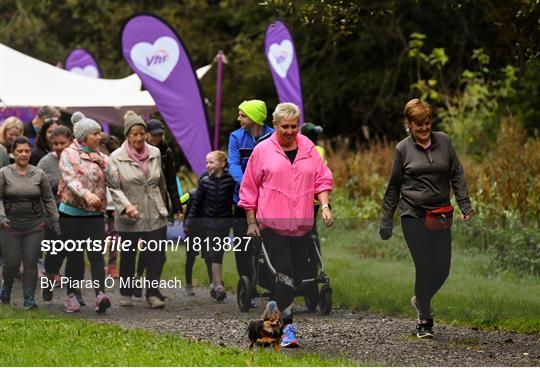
point(243, 295)
point(325, 303)
point(311, 298)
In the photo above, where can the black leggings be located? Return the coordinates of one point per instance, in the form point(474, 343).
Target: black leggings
point(431, 253)
point(153, 259)
point(25, 248)
point(82, 228)
point(288, 255)
point(53, 262)
point(191, 255)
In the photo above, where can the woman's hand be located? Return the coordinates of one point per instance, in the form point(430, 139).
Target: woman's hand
point(253, 229)
point(467, 217)
point(92, 199)
point(132, 211)
point(327, 216)
point(5, 225)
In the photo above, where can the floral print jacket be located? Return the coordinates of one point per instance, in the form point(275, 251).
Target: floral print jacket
point(82, 172)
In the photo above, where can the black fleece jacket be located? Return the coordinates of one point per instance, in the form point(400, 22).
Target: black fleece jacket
point(421, 179)
point(169, 170)
point(212, 202)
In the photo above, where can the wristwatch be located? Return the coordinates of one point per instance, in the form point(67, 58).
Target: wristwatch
point(327, 205)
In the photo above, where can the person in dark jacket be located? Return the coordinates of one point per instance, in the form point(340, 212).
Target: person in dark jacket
point(242, 141)
point(44, 114)
point(43, 142)
point(425, 167)
point(154, 136)
point(212, 206)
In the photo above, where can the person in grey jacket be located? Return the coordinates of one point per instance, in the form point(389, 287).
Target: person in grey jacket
point(26, 201)
point(137, 184)
point(424, 169)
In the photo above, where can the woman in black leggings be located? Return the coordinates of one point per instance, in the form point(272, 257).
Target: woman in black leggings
point(425, 167)
point(83, 201)
point(283, 176)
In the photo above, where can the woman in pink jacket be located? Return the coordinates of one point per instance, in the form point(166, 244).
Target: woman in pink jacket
point(283, 176)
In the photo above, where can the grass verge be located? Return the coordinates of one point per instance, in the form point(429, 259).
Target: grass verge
point(37, 339)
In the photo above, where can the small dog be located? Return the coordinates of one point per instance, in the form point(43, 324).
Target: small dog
point(268, 330)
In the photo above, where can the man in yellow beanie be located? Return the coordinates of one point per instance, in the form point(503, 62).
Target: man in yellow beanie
point(251, 115)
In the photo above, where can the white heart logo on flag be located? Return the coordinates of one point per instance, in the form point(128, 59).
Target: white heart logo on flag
point(89, 71)
point(157, 60)
point(281, 56)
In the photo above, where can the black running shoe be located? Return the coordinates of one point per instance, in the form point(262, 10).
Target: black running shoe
point(218, 293)
point(46, 294)
point(424, 329)
point(80, 298)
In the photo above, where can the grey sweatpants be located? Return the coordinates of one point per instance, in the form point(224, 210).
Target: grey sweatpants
point(25, 248)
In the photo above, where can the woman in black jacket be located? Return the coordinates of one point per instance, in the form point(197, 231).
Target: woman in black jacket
point(211, 210)
point(425, 167)
point(43, 141)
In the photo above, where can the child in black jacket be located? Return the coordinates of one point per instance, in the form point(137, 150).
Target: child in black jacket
point(211, 211)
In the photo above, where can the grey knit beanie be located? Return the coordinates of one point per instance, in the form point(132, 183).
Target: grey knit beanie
point(83, 126)
point(130, 120)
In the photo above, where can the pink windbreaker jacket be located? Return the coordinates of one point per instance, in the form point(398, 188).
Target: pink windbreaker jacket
point(282, 193)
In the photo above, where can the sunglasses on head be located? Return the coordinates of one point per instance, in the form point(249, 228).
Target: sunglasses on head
point(54, 120)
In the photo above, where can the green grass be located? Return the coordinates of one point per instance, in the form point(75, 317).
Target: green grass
point(371, 275)
point(36, 339)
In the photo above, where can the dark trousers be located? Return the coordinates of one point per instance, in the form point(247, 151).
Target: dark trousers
point(53, 262)
point(431, 254)
point(153, 259)
point(25, 248)
point(288, 256)
point(83, 228)
point(243, 257)
point(191, 256)
point(214, 252)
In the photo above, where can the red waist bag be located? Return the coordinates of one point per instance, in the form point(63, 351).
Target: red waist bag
point(439, 218)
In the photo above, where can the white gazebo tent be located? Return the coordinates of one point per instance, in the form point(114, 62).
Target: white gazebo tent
point(28, 82)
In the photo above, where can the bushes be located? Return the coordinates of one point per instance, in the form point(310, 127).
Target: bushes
point(513, 246)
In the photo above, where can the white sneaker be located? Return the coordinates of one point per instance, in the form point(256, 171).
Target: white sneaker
point(126, 301)
point(155, 303)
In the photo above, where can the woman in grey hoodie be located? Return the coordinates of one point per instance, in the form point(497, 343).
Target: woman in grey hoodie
point(26, 201)
point(425, 167)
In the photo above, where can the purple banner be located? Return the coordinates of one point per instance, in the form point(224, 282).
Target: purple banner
point(25, 114)
point(155, 52)
point(82, 62)
point(281, 57)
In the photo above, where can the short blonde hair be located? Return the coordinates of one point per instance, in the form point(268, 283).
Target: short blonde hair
point(221, 156)
point(417, 110)
point(285, 110)
point(11, 122)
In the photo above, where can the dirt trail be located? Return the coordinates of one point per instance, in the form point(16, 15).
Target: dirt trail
point(361, 337)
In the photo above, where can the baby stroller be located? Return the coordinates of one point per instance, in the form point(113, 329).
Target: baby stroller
point(264, 275)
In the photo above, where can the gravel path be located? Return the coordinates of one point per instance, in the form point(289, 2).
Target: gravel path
point(361, 337)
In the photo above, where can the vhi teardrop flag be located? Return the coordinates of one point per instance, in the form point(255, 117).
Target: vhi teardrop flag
point(281, 57)
point(82, 62)
point(156, 53)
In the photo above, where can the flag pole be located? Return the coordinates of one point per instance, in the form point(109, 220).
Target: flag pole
point(219, 60)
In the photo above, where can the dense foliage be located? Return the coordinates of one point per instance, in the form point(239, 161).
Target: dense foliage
point(356, 66)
